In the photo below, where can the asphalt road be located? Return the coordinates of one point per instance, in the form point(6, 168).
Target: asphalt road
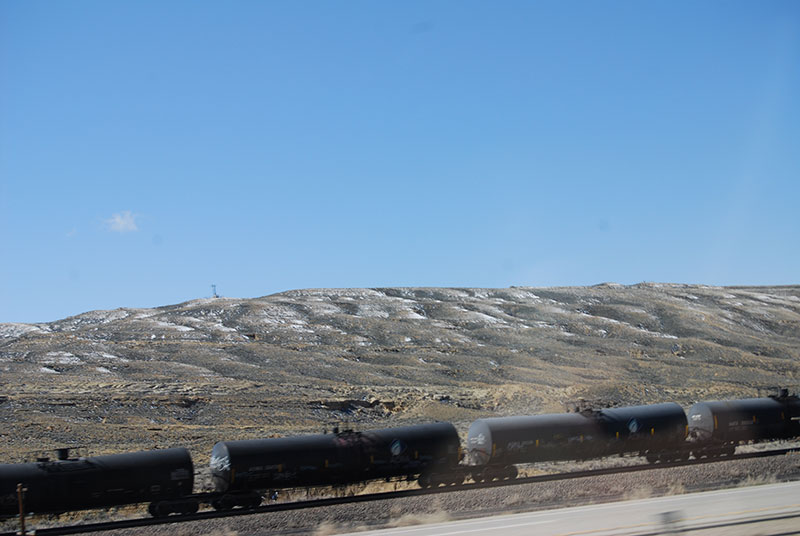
point(756, 510)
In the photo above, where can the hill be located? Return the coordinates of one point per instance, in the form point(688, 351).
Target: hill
point(211, 369)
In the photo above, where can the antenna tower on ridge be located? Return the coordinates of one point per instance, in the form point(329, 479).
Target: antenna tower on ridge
point(214, 291)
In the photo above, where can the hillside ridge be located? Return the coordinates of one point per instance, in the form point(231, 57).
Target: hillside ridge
point(293, 361)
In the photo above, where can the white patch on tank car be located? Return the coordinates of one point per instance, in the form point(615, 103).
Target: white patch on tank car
point(397, 447)
point(479, 439)
point(220, 463)
point(633, 425)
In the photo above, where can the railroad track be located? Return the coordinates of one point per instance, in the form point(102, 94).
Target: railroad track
point(331, 501)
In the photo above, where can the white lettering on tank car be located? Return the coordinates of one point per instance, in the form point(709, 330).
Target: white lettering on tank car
point(479, 439)
point(179, 474)
point(519, 445)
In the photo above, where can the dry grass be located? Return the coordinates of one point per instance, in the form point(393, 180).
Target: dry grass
point(406, 520)
point(758, 480)
point(183, 531)
point(676, 488)
point(513, 500)
point(326, 528)
point(637, 493)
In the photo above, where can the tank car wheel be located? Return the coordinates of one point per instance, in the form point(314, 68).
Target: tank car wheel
point(156, 509)
point(456, 479)
point(651, 457)
point(510, 473)
point(221, 505)
point(424, 481)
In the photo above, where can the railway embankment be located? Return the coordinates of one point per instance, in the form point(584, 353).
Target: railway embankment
point(506, 499)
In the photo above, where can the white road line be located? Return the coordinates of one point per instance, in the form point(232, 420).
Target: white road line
point(499, 527)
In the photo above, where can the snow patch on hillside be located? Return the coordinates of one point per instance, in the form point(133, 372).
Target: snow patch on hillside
point(170, 325)
point(207, 325)
point(103, 356)
point(371, 311)
point(61, 358)
point(475, 316)
point(14, 329)
point(281, 316)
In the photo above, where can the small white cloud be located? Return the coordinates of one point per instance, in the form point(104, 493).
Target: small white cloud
point(122, 222)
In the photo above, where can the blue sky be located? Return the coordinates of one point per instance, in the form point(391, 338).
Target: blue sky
point(150, 149)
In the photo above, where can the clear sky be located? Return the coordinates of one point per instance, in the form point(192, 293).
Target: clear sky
point(151, 149)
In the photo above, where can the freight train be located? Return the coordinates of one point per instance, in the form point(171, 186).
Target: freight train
point(239, 468)
point(163, 478)
point(431, 454)
point(498, 444)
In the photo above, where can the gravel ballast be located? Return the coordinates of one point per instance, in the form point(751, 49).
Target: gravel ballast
point(508, 499)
